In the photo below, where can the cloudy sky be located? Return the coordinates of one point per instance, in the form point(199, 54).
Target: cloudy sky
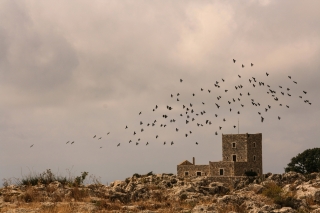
point(72, 70)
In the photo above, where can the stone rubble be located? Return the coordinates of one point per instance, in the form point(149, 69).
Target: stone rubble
point(163, 192)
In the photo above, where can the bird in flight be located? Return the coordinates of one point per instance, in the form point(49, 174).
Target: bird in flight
point(118, 145)
point(31, 145)
point(72, 142)
point(234, 61)
point(251, 64)
point(94, 136)
point(67, 142)
point(197, 143)
point(242, 66)
point(139, 113)
point(126, 127)
point(181, 80)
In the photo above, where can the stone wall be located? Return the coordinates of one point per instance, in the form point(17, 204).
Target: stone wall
point(192, 170)
point(255, 151)
point(240, 150)
point(227, 166)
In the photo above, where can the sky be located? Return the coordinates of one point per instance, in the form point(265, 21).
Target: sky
point(70, 70)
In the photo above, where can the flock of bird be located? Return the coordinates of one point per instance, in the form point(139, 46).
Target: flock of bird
point(190, 114)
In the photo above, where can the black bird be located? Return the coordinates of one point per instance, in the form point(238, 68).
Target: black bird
point(209, 90)
point(178, 94)
point(295, 82)
point(220, 127)
point(142, 130)
point(222, 79)
point(94, 136)
point(242, 105)
point(304, 92)
point(287, 106)
point(262, 118)
point(236, 87)
point(240, 94)
point(156, 106)
point(266, 109)
point(67, 142)
point(259, 113)
point(139, 113)
point(239, 76)
point(138, 139)
point(157, 136)
point(134, 133)
point(251, 64)
point(186, 135)
point(31, 145)
point(137, 143)
point(248, 94)
point(229, 102)
point(224, 119)
point(216, 115)
point(300, 96)
point(230, 109)
point(203, 103)
point(193, 94)
point(201, 89)
point(130, 141)
point(234, 61)
point(100, 147)
point(141, 123)
point(288, 89)
point(279, 117)
point(126, 127)
point(250, 80)
point(238, 112)
point(118, 145)
point(164, 143)
point(99, 138)
point(217, 106)
point(108, 133)
point(289, 77)
point(269, 106)
point(242, 66)
point(177, 129)
point(147, 143)
point(216, 133)
point(171, 142)
point(226, 90)
point(177, 99)
point(180, 80)
point(234, 126)
point(171, 96)
point(280, 87)
point(267, 73)
point(197, 143)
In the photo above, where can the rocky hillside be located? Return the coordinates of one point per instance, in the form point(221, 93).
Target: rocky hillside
point(289, 192)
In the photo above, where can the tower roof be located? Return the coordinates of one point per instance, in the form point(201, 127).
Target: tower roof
point(186, 162)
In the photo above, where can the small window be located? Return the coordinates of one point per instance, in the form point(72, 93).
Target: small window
point(198, 173)
point(221, 171)
point(186, 173)
point(258, 171)
point(254, 145)
point(234, 157)
point(251, 170)
point(233, 145)
point(254, 158)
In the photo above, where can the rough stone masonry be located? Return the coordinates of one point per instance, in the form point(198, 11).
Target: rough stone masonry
point(240, 153)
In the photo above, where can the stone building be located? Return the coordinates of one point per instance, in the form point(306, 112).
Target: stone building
point(240, 153)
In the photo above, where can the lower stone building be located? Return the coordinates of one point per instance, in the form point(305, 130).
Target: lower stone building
point(240, 153)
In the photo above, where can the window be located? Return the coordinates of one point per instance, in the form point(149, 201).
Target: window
point(258, 171)
point(233, 145)
point(251, 170)
point(186, 173)
point(254, 144)
point(198, 173)
point(221, 171)
point(234, 157)
point(254, 158)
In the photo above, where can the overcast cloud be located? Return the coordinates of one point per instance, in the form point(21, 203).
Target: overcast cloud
point(70, 70)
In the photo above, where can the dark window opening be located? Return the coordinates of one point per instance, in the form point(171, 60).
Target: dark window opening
point(254, 158)
point(254, 144)
point(221, 171)
point(251, 170)
point(186, 173)
point(198, 173)
point(233, 145)
point(234, 157)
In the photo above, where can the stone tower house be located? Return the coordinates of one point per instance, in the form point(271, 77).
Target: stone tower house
point(240, 153)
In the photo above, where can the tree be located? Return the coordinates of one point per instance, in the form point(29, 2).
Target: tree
point(305, 162)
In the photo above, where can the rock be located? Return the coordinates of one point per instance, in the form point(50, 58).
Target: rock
point(284, 210)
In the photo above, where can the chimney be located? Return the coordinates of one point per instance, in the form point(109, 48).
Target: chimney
point(193, 161)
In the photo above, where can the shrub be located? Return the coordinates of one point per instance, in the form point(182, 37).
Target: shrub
point(250, 173)
point(136, 175)
point(183, 197)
